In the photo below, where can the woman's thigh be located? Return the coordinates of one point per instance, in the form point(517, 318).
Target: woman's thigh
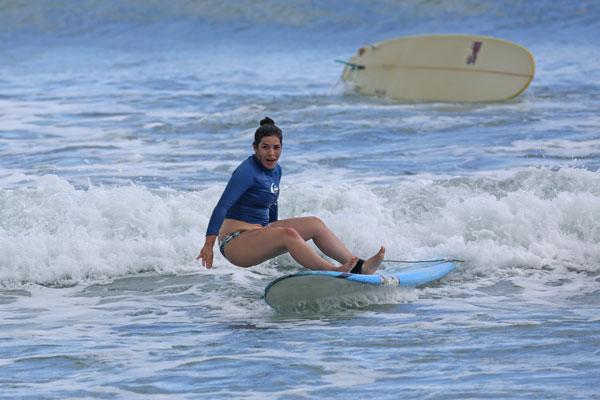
point(307, 227)
point(256, 246)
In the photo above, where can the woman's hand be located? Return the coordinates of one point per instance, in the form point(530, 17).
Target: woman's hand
point(206, 253)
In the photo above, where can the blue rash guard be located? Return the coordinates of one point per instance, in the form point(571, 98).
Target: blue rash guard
point(250, 196)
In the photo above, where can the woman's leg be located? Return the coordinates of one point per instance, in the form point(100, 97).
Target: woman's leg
point(315, 229)
point(312, 228)
point(258, 245)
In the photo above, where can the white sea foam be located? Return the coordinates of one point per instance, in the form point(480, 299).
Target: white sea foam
point(54, 233)
point(535, 226)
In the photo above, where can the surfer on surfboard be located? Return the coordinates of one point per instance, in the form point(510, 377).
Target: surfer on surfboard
point(246, 225)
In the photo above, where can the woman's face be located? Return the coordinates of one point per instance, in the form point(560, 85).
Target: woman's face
point(268, 151)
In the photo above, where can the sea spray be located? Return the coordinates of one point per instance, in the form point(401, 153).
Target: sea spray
point(530, 219)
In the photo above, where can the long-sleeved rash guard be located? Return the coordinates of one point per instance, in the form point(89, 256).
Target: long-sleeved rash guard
point(250, 196)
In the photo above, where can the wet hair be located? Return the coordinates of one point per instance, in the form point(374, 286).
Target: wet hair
point(267, 128)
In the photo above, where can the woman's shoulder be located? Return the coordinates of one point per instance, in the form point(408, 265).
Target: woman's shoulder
point(247, 163)
point(245, 168)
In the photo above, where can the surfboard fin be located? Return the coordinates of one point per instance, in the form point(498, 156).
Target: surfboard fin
point(351, 65)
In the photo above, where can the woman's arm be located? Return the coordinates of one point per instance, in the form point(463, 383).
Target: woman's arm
point(240, 182)
point(206, 253)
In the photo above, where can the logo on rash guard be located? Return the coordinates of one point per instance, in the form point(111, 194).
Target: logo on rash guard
point(274, 188)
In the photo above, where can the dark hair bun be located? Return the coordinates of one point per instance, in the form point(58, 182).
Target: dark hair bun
point(267, 128)
point(266, 121)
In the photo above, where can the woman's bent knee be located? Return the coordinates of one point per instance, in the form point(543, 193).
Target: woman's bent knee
point(316, 221)
point(317, 226)
point(289, 234)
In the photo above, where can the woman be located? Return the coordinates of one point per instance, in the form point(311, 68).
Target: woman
point(245, 219)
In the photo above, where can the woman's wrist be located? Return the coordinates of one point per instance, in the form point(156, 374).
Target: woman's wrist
point(210, 240)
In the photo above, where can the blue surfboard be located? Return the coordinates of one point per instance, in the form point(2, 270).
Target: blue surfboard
point(303, 290)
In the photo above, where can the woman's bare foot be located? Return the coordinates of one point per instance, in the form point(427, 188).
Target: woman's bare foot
point(346, 267)
point(372, 264)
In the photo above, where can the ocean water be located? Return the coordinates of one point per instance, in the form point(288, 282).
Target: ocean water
point(121, 121)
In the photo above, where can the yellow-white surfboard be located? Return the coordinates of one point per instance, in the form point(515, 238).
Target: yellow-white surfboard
point(457, 68)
